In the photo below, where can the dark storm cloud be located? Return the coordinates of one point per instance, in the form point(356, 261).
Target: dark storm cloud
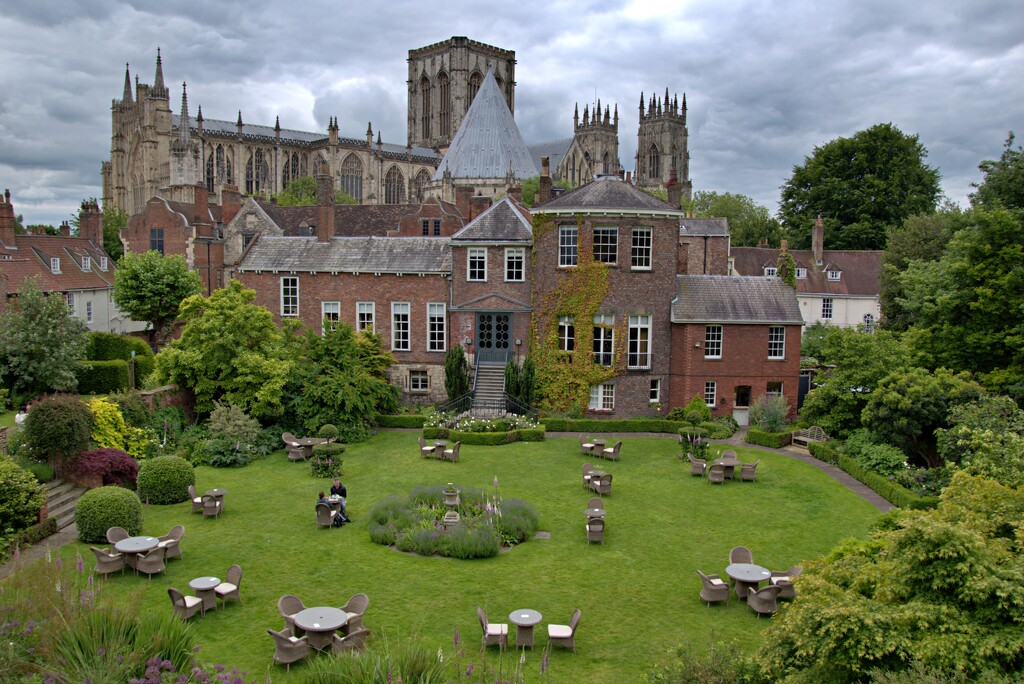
point(765, 81)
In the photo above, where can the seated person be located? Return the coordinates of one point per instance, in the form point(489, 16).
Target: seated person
point(338, 489)
point(340, 518)
point(323, 499)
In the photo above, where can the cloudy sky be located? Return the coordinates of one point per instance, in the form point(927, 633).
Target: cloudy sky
point(765, 81)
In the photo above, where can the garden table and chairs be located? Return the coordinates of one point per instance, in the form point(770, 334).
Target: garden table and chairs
point(729, 464)
point(747, 576)
point(524, 619)
point(132, 547)
point(205, 588)
point(320, 623)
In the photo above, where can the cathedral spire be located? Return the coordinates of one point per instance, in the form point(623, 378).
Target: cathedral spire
point(159, 89)
point(184, 126)
point(576, 117)
point(616, 115)
point(127, 97)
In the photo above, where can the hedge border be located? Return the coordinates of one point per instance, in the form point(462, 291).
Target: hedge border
point(409, 420)
point(632, 425)
point(30, 535)
point(894, 493)
point(773, 440)
point(486, 438)
point(102, 377)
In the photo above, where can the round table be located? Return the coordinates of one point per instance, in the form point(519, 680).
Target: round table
point(728, 464)
point(335, 501)
point(135, 546)
point(204, 588)
point(524, 619)
point(320, 623)
point(748, 576)
point(595, 512)
point(217, 493)
point(599, 444)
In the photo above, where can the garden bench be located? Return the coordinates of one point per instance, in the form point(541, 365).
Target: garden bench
point(808, 435)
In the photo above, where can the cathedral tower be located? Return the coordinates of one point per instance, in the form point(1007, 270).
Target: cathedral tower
point(443, 80)
point(662, 143)
point(594, 149)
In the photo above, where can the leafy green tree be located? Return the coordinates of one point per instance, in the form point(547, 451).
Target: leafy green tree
point(860, 186)
point(812, 340)
point(922, 237)
point(749, 222)
point(909, 405)
point(57, 429)
point(456, 373)
point(230, 349)
point(40, 343)
point(151, 287)
point(114, 219)
point(341, 378)
point(986, 438)
point(943, 587)
point(861, 360)
point(1003, 185)
point(968, 307)
point(301, 192)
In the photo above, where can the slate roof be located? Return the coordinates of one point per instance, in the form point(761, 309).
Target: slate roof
point(858, 277)
point(488, 141)
point(608, 194)
point(348, 255)
point(350, 220)
point(703, 226)
point(32, 259)
point(554, 150)
point(502, 223)
point(734, 299)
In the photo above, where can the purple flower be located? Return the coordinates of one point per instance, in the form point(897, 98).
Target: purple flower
point(455, 639)
point(80, 564)
point(495, 480)
point(101, 651)
point(469, 670)
point(60, 562)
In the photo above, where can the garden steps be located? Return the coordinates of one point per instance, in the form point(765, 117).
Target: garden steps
point(61, 497)
point(490, 388)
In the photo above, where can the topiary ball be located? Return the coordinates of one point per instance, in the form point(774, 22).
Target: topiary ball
point(165, 480)
point(104, 507)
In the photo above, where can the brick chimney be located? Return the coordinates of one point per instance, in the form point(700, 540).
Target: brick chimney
point(230, 203)
point(515, 192)
point(478, 205)
point(463, 195)
point(90, 223)
point(6, 220)
point(201, 211)
point(65, 229)
point(324, 203)
point(818, 240)
point(544, 192)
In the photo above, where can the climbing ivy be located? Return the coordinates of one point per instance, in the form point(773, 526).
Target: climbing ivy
point(785, 268)
point(564, 378)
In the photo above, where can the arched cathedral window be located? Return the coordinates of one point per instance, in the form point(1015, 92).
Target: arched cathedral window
point(209, 172)
point(425, 107)
point(352, 177)
point(653, 162)
point(394, 187)
point(422, 178)
point(444, 105)
point(221, 171)
point(319, 163)
point(257, 173)
point(474, 85)
point(303, 168)
point(604, 164)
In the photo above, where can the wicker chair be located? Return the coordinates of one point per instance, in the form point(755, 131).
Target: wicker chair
point(288, 648)
point(324, 515)
point(171, 542)
point(288, 437)
point(295, 451)
point(587, 469)
point(426, 451)
point(595, 502)
point(740, 554)
point(453, 453)
point(197, 501)
point(184, 606)
point(764, 600)
point(602, 485)
point(353, 641)
point(116, 534)
point(595, 530)
point(151, 563)
point(493, 632)
point(729, 453)
point(211, 506)
point(108, 561)
point(563, 635)
point(713, 589)
point(356, 608)
point(697, 465)
point(716, 473)
point(612, 452)
point(230, 587)
point(784, 580)
point(749, 471)
point(288, 605)
point(586, 447)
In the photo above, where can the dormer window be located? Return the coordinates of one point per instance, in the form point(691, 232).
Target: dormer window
point(801, 273)
point(86, 263)
point(55, 264)
point(103, 263)
point(832, 275)
point(769, 271)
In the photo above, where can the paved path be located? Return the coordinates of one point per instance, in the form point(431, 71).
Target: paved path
point(40, 549)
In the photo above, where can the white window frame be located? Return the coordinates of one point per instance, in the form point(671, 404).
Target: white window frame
point(88, 311)
point(437, 330)
point(568, 246)
point(827, 309)
point(86, 263)
point(515, 262)
point(566, 334)
point(70, 298)
point(419, 373)
point(330, 310)
point(770, 271)
point(289, 309)
point(833, 275)
point(606, 249)
point(768, 392)
point(602, 397)
point(476, 261)
point(604, 339)
point(641, 249)
point(776, 341)
point(366, 316)
point(638, 352)
point(710, 393)
point(801, 273)
point(713, 337)
point(655, 395)
point(401, 339)
point(54, 264)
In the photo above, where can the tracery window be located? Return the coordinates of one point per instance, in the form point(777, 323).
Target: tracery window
point(445, 106)
point(474, 85)
point(257, 173)
point(653, 162)
point(425, 107)
point(394, 186)
point(420, 184)
point(352, 177)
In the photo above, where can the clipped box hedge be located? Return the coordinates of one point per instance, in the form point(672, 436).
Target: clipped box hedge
point(409, 420)
point(102, 377)
point(486, 438)
point(165, 480)
point(632, 425)
point(773, 440)
point(104, 507)
point(894, 493)
point(109, 346)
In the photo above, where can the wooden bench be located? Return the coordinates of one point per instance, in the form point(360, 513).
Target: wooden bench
point(808, 435)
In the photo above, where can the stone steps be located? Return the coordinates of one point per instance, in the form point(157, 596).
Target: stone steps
point(61, 497)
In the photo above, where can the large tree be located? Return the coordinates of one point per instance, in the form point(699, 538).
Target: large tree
point(301, 192)
point(1003, 185)
point(749, 222)
point(229, 349)
point(150, 287)
point(40, 343)
point(860, 186)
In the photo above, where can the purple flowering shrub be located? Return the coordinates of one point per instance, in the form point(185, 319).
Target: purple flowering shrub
point(107, 467)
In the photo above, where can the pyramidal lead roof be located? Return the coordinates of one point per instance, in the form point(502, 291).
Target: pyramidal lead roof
point(488, 142)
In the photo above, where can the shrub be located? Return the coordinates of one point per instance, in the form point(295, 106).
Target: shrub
point(884, 459)
point(473, 538)
point(134, 408)
point(722, 427)
point(353, 433)
point(165, 480)
point(105, 467)
point(28, 536)
point(223, 452)
point(588, 425)
point(104, 507)
point(403, 421)
point(769, 413)
point(109, 429)
point(698, 405)
point(232, 422)
point(383, 534)
point(518, 521)
point(21, 497)
point(326, 463)
point(57, 428)
point(423, 539)
point(327, 431)
point(774, 440)
point(101, 377)
point(43, 472)
point(108, 346)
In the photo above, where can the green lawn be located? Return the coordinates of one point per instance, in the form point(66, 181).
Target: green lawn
point(638, 592)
